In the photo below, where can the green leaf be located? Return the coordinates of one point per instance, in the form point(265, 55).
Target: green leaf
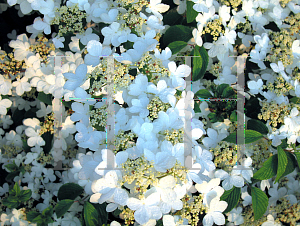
point(228, 92)
point(69, 191)
point(191, 14)
point(25, 195)
point(31, 215)
point(16, 190)
point(268, 170)
point(11, 167)
point(260, 202)
point(18, 116)
point(297, 154)
point(232, 197)
point(47, 137)
point(197, 107)
point(90, 214)
point(249, 136)
point(177, 33)
point(258, 126)
point(68, 103)
point(233, 116)
point(102, 213)
point(172, 18)
point(220, 90)
point(11, 202)
point(48, 211)
point(282, 163)
point(176, 46)
point(45, 98)
point(203, 93)
point(295, 100)
point(62, 207)
point(200, 62)
point(291, 165)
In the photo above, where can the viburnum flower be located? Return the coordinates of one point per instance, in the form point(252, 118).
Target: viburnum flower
point(33, 132)
point(214, 214)
point(139, 86)
point(165, 94)
point(230, 179)
point(164, 55)
point(204, 157)
point(107, 188)
point(43, 112)
point(213, 138)
point(4, 104)
point(235, 216)
point(146, 208)
point(177, 74)
point(77, 79)
point(95, 51)
point(210, 190)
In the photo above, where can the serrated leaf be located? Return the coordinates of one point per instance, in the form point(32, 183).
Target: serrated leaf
point(297, 154)
point(203, 93)
point(249, 136)
point(191, 14)
point(62, 207)
point(291, 165)
point(15, 191)
point(220, 90)
point(45, 98)
point(177, 33)
point(197, 107)
point(200, 62)
point(25, 195)
point(69, 191)
point(103, 214)
point(176, 46)
point(31, 215)
point(295, 100)
point(233, 116)
point(268, 170)
point(90, 214)
point(232, 197)
point(228, 92)
point(260, 202)
point(282, 163)
point(48, 211)
point(258, 126)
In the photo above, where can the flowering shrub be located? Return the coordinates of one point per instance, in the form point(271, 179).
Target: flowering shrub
point(139, 142)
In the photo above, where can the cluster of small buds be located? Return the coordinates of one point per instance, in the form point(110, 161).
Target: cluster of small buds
point(127, 215)
point(294, 22)
point(248, 215)
point(43, 48)
point(98, 117)
point(279, 86)
point(245, 27)
point(281, 51)
point(152, 67)
point(234, 4)
point(155, 106)
point(216, 69)
point(124, 141)
point(70, 153)
point(11, 68)
point(192, 207)
point(261, 153)
point(283, 3)
point(179, 172)
point(30, 95)
point(10, 151)
point(224, 155)
point(214, 28)
point(44, 159)
point(288, 213)
point(132, 17)
point(48, 125)
point(174, 136)
point(274, 112)
point(69, 19)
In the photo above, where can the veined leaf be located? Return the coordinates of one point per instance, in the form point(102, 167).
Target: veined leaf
point(90, 214)
point(232, 197)
point(260, 202)
point(176, 46)
point(62, 207)
point(282, 163)
point(257, 125)
point(69, 191)
point(268, 170)
point(191, 14)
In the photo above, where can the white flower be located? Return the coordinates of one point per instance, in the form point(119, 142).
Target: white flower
point(110, 16)
point(33, 132)
point(204, 157)
point(42, 24)
point(197, 33)
point(279, 68)
point(270, 221)
point(213, 138)
point(255, 86)
point(58, 42)
point(43, 112)
point(177, 74)
point(145, 209)
point(95, 50)
point(13, 138)
point(202, 6)
point(181, 6)
point(4, 104)
point(230, 179)
point(217, 48)
point(276, 194)
point(156, 7)
point(139, 86)
point(81, 113)
point(77, 79)
point(5, 86)
point(165, 94)
point(162, 160)
point(235, 216)
point(214, 214)
point(164, 55)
